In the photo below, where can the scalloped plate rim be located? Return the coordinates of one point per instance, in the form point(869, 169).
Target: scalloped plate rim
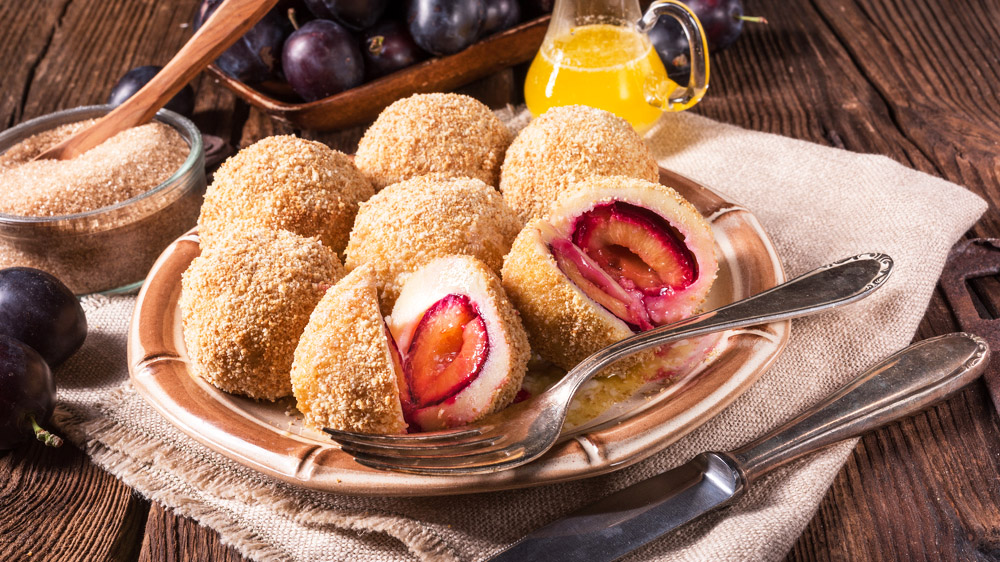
point(314, 462)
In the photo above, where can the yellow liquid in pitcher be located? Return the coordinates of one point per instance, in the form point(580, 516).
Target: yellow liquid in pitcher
point(604, 66)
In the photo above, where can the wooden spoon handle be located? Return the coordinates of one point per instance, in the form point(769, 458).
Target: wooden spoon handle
point(228, 23)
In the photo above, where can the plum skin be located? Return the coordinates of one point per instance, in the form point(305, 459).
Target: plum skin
point(720, 19)
point(320, 59)
point(133, 80)
point(38, 310)
point(443, 27)
point(500, 15)
point(388, 47)
point(27, 393)
point(353, 14)
point(256, 56)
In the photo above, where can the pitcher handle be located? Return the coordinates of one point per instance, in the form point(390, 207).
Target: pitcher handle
point(680, 98)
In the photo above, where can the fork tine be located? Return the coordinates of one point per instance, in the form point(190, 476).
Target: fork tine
point(421, 449)
point(477, 463)
point(415, 439)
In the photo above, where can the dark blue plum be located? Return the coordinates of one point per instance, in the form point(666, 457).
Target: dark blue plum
point(354, 14)
point(133, 80)
point(671, 44)
point(322, 58)
point(535, 8)
point(40, 311)
point(444, 27)
point(256, 56)
point(388, 47)
point(720, 19)
point(27, 395)
point(500, 15)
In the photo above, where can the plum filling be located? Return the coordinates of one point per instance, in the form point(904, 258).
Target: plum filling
point(448, 350)
point(628, 259)
point(598, 285)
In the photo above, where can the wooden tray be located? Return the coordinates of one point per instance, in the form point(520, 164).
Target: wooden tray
point(362, 104)
point(264, 437)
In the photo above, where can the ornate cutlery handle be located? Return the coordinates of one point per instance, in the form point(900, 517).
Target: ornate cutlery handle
point(901, 385)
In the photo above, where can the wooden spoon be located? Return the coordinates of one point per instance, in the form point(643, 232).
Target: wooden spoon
point(228, 23)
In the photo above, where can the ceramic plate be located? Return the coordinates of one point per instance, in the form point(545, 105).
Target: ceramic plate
point(265, 437)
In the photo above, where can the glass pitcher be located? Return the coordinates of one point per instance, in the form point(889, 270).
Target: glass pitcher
point(597, 53)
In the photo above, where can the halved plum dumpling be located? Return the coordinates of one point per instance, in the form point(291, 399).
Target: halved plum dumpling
point(615, 256)
point(464, 351)
point(452, 352)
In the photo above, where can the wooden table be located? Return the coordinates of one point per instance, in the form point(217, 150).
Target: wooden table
point(918, 81)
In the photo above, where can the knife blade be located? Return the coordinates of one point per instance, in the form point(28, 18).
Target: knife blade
point(902, 384)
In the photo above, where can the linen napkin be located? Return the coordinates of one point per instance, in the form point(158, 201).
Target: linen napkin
point(819, 204)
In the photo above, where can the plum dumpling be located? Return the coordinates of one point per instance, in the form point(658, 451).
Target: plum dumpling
point(452, 351)
point(614, 256)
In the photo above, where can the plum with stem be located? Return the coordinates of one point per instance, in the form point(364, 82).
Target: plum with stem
point(722, 21)
point(27, 395)
point(322, 58)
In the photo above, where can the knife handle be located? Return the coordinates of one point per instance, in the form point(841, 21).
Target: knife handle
point(901, 385)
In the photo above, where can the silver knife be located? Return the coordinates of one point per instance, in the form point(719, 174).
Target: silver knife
point(901, 385)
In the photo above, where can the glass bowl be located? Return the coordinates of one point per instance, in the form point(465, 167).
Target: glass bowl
point(109, 249)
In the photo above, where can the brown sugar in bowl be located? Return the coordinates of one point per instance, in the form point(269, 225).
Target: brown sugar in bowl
point(110, 248)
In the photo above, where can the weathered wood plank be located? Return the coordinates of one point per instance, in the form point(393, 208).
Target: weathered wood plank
point(29, 28)
point(936, 66)
point(95, 43)
point(170, 538)
point(792, 77)
point(917, 490)
point(57, 505)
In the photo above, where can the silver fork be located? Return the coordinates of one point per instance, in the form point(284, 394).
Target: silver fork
point(525, 431)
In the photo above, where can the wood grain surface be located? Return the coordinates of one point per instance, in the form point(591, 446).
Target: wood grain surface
point(917, 81)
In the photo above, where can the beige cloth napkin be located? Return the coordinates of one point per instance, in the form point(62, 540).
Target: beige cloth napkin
point(819, 204)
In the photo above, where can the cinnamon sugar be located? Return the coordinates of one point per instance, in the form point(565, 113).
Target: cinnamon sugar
point(98, 221)
point(125, 166)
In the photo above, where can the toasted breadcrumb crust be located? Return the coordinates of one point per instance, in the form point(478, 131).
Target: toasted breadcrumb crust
point(343, 376)
point(408, 224)
point(284, 182)
point(512, 333)
point(244, 303)
point(469, 276)
point(564, 325)
point(565, 145)
point(448, 133)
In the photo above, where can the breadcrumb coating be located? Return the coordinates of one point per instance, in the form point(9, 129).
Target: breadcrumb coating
point(565, 145)
point(565, 325)
point(244, 303)
point(343, 376)
point(446, 133)
point(500, 378)
point(408, 224)
point(284, 182)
